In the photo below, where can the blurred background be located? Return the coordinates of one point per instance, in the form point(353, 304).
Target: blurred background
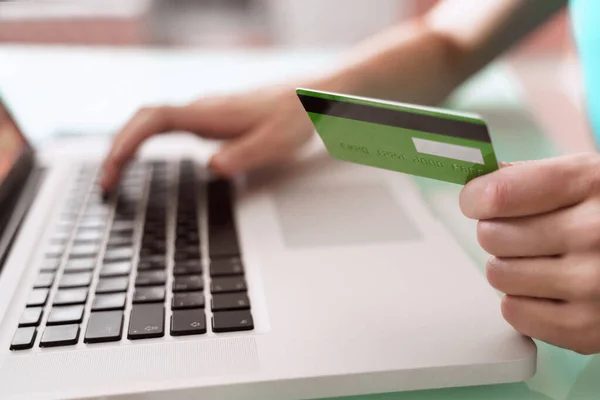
point(216, 23)
point(230, 26)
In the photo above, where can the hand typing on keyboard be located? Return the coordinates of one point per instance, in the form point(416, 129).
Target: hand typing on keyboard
point(141, 264)
point(260, 127)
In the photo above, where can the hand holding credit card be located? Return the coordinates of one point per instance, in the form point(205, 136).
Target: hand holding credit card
point(422, 141)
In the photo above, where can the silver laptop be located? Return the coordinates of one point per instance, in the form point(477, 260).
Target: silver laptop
point(319, 279)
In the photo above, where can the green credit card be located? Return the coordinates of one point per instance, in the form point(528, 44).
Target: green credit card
point(423, 141)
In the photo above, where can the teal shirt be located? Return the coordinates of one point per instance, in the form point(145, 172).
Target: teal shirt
point(585, 15)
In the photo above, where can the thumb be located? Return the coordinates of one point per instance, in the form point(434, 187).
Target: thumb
point(245, 153)
point(504, 164)
point(266, 145)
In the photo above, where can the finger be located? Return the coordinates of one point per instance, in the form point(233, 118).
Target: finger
point(559, 278)
point(210, 118)
point(573, 229)
point(524, 237)
point(572, 326)
point(504, 164)
point(531, 188)
point(267, 145)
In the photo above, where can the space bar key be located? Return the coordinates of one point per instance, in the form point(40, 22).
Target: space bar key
point(147, 321)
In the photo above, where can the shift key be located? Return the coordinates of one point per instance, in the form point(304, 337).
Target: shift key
point(147, 321)
point(106, 326)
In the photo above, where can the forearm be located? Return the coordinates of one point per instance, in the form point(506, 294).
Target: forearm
point(408, 63)
point(424, 60)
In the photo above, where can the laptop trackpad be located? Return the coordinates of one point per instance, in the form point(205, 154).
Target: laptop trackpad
point(338, 215)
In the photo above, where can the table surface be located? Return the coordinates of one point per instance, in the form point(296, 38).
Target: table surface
point(66, 91)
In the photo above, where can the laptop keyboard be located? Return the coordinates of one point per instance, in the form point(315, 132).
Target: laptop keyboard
point(132, 266)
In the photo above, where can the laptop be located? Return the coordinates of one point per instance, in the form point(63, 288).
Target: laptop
point(316, 279)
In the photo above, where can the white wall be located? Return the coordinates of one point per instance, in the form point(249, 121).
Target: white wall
point(331, 22)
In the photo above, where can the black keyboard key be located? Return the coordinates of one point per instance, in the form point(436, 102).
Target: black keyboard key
point(64, 335)
point(65, 315)
point(123, 226)
point(158, 166)
point(222, 236)
point(121, 235)
point(112, 285)
point(23, 339)
point(44, 280)
point(147, 252)
point(31, 317)
point(228, 285)
point(184, 246)
point(84, 250)
point(69, 297)
point(230, 302)
point(226, 267)
point(154, 236)
point(219, 196)
point(106, 326)
point(153, 248)
point(149, 295)
point(186, 256)
point(191, 264)
point(109, 302)
point(118, 254)
point(187, 213)
point(149, 241)
point(154, 258)
point(80, 265)
point(186, 167)
point(186, 249)
point(153, 226)
point(146, 321)
point(115, 269)
point(232, 321)
point(152, 264)
point(37, 298)
point(188, 322)
point(50, 265)
point(188, 283)
point(223, 242)
point(183, 232)
point(119, 241)
point(81, 279)
point(189, 267)
point(192, 238)
point(151, 278)
point(125, 211)
point(187, 300)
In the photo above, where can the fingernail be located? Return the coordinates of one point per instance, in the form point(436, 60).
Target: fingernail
point(220, 164)
point(105, 180)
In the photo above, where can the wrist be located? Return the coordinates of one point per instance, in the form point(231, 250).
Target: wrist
point(410, 63)
point(348, 79)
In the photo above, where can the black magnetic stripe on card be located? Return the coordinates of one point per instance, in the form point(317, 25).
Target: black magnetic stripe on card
point(398, 118)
